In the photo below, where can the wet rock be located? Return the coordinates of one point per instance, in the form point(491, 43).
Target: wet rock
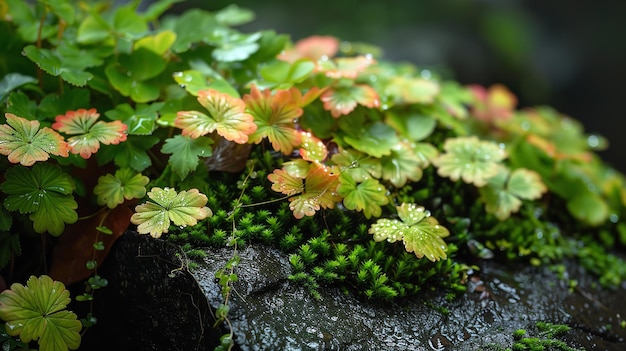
point(268, 312)
point(151, 302)
point(154, 303)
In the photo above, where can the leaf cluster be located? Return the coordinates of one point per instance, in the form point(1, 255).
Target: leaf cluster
point(218, 137)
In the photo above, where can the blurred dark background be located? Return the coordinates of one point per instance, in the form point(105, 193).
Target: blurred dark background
point(569, 55)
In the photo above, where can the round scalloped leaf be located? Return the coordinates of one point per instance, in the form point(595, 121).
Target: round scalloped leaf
point(125, 185)
point(401, 165)
point(359, 165)
point(182, 209)
point(37, 312)
point(367, 196)
point(589, 207)
point(274, 116)
point(420, 233)
point(45, 192)
point(25, 143)
point(470, 159)
point(377, 139)
point(227, 115)
point(526, 184)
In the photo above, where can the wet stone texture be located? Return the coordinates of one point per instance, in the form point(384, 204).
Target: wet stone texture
point(268, 312)
point(153, 304)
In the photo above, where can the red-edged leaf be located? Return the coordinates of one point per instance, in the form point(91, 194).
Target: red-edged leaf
point(25, 143)
point(346, 67)
point(285, 183)
point(319, 191)
point(314, 48)
point(88, 131)
point(274, 116)
point(496, 103)
point(226, 115)
point(343, 100)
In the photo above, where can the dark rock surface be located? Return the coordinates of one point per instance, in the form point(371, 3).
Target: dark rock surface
point(152, 304)
point(268, 312)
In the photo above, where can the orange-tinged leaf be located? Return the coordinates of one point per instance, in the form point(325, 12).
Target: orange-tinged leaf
point(285, 183)
point(312, 148)
point(343, 100)
point(317, 190)
point(226, 115)
point(274, 116)
point(320, 186)
point(496, 103)
point(310, 95)
point(346, 67)
point(314, 48)
point(25, 143)
point(88, 131)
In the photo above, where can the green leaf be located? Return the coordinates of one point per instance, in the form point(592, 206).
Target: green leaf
point(287, 74)
point(45, 192)
point(233, 15)
point(13, 81)
point(21, 105)
point(589, 207)
point(367, 196)
point(192, 27)
point(125, 185)
point(235, 50)
point(141, 121)
point(54, 64)
point(157, 8)
point(63, 9)
point(128, 23)
point(130, 154)
point(158, 43)
point(59, 104)
point(37, 312)
point(186, 153)
point(271, 44)
point(130, 74)
point(359, 165)
point(414, 127)
point(182, 209)
point(401, 165)
point(504, 191)
point(421, 233)
point(29, 27)
point(93, 29)
point(377, 139)
point(473, 160)
point(413, 90)
point(23, 142)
